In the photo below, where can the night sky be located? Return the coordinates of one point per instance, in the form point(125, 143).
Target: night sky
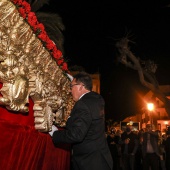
point(91, 31)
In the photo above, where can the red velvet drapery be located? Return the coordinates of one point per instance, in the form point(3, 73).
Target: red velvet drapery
point(24, 148)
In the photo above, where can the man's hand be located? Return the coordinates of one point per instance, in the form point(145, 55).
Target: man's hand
point(127, 141)
point(54, 128)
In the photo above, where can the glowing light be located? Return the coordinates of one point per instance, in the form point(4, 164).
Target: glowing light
point(150, 106)
point(166, 122)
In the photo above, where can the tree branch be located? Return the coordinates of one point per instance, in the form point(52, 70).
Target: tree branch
point(145, 69)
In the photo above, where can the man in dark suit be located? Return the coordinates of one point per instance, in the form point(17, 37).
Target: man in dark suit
point(129, 146)
point(150, 149)
point(85, 128)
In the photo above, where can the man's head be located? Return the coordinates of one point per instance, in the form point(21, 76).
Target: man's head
point(128, 128)
point(81, 83)
point(168, 131)
point(149, 127)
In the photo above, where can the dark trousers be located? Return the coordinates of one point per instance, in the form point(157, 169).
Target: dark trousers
point(151, 160)
point(128, 162)
point(167, 160)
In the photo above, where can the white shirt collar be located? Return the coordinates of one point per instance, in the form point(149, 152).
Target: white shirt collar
point(82, 95)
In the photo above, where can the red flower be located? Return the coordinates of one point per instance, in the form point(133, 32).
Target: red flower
point(59, 62)
point(22, 12)
point(43, 36)
point(14, 1)
point(32, 19)
point(26, 6)
point(57, 54)
point(50, 44)
point(40, 26)
point(64, 67)
point(18, 2)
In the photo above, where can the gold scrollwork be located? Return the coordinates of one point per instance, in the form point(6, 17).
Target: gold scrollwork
point(28, 70)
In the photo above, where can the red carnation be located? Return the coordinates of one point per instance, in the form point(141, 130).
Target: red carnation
point(57, 54)
point(42, 36)
point(22, 12)
point(26, 6)
point(64, 67)
point(59, 62)
point(50, 45)
point(18, 2)
point(40, 26)
point(32, 19)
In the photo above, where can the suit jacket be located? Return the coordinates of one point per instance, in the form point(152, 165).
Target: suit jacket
point(154, 142)
point(85, 130)
point(133, 143)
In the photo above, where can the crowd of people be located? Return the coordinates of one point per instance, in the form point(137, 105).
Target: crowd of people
point(145, 149)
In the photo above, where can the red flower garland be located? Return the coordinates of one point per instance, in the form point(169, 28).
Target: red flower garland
point(24, 9)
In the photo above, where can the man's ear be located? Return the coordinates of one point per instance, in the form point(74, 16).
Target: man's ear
point(81, 87)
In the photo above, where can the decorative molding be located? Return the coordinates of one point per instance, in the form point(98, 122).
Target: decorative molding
point(28, 70)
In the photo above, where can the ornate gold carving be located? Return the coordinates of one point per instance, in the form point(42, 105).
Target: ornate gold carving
point(28, 70)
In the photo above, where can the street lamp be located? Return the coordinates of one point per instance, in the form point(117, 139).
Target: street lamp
point(150, 107)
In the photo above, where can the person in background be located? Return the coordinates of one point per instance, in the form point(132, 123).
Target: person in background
point(139, 158)
point(129, 147)
point(150, 149)
point(113, 140)
point(85, 128)
point(161, 150)
point(167, 149)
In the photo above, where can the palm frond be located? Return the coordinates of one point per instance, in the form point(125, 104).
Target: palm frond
point(53, 26)
point(52, 22)
point(37, 4)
